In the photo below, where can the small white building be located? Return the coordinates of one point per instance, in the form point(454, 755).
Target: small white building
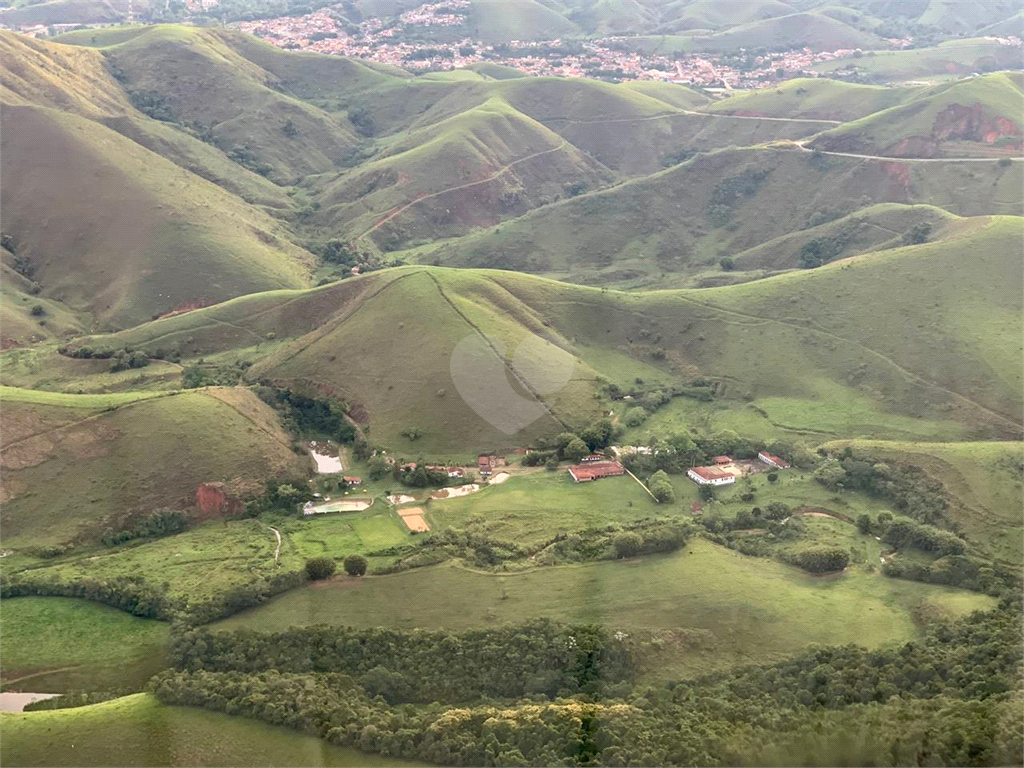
point(711, 476)
point(772, 461)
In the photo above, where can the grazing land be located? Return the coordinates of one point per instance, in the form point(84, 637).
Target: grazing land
point(57, 644)
point(139, 731)
point(748, 609)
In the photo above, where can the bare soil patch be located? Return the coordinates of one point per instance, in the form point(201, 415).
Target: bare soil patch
point(414, 519)
point(452, 493)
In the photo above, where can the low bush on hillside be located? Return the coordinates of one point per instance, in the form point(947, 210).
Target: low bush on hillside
point(318, 568)
point(820, 559)
point(306, 416)
point(162, 522)
point(213, 376)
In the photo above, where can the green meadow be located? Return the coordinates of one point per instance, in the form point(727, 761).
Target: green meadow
point(55, 644)
point(746, 609)
point(531, 508)
point(139, 731)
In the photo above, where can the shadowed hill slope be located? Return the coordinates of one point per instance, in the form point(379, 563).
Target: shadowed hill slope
point(129, 234)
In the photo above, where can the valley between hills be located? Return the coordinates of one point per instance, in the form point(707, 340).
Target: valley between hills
point(306, 362)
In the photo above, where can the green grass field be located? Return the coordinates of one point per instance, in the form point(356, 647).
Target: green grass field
point(748, 609)
point(139, 731)
point(56, 644)
point(531, 509)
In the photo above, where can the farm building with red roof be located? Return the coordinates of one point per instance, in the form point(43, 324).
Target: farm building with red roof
point(595, 470)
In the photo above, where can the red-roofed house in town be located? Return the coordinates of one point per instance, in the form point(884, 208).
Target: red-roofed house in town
point(595, 470)
point(772, 461)
point(483, 465)
point(711, 476)
point(722, 460)
point(353, 480)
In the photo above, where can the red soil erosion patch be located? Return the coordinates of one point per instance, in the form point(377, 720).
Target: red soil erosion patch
point(959, 122)
point(899, 175)
point(215, 500)
point(186, 307)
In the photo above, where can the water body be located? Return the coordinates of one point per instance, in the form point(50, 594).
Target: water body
point(15, 702)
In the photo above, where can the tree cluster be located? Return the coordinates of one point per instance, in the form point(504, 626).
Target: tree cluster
point(906, 487)
point(548, 694)
point(309, 416)
point(161, 522)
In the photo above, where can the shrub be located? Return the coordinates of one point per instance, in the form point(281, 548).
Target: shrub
point(821, 559)
point(627, 544)
point(321, 567)
point(772, 476)
point(355, 565)
point(37, 310)
point(661, 487)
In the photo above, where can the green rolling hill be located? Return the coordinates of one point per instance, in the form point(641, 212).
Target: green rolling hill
point(814, 99)
point(675, 221)
point(948, 59)
point(976, 117)
point(825, 327)
point(101, 459)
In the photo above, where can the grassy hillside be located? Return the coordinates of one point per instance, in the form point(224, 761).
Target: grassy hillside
point(496, 21)
point(98, 455)
point(984, 478)
point(203, 82)
point(707, 14)
point(970, 118)
point(138, 731)
point(677, 222)
point(474, 169)
point(834, 366)
point(875, 228)
point(57, 644)
point(152, 213)
point(956, 58)
point(745, 609)
point(813, 98)
point(78, 80)
point(796, 30)
point(674, 95)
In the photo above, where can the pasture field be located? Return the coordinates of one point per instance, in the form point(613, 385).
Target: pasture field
point(214, 557)
point(73, 471)
point(195, 564)
point(340, 534)
point(529, 509)
point(57, 644)
point(139, 731)
point(746, 609)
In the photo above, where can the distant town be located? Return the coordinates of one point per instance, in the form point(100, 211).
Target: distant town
point(405, 41)
point(605, 57)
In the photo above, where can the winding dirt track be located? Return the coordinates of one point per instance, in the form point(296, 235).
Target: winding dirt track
point(277, 552)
